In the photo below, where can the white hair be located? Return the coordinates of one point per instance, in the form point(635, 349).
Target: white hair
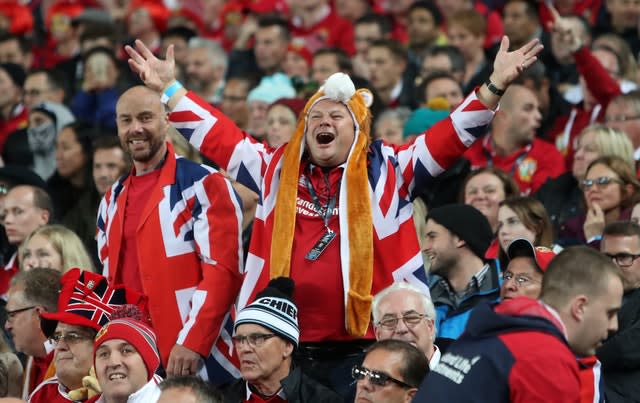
point(217, 54)
point(427, 304)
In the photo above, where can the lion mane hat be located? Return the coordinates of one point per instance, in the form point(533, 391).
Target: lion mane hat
point(355, 217)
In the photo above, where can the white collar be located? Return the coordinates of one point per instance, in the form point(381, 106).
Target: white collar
point(435, 357)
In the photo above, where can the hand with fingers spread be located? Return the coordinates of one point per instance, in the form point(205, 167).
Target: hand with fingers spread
point(157, 74)
point(509, 65)
point(594, 223)
point(564, 35)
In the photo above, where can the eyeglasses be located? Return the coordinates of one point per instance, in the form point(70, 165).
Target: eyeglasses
point(70, 338)
point(621, 118)
point(520, 280)
point(376, 377)
point(600, 182)
point(410, 320)
point(11, 314)
point(254, 339)
point(623, 259)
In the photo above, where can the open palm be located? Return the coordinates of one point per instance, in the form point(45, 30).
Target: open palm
point(156, 73)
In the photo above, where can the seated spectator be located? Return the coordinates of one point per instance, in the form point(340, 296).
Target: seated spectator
point(43, 85)
point(444, 59)
point(527, 264)
point(440, 85)
point(512, 145)
point(387, 60)
point(389, 126)
point(466, 30)
point(188, 389)
point(95, 101)
point(621, 242)
point(265, 337)
point(580, 297)
point(54, 247)
point(85, 304)
point(367, 29)
point(457, 238)
point(16, 49)
point(494, 29)
point(11, 373)
point(145, 20)
point(423, 27)
point(32, 293)
point(125, 358)
point(391, 372)
point(522, 217)
point(403, 312)
point(205, 68)
point(234, 100)
point(178, 37)
point(623, 114)
point(109, 163)
point(13, 114)
point(327, 61)
point(563, 195)
point(36, 148)
point(270, 89)
point(485, 189)
point(282, 118)
point(610, 190)
point(297, 63)
point(72, 177)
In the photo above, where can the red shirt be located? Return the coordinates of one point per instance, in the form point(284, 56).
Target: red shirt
point(331, 31)
point(530, 166)
point(18, 120)
point(7, 273)
point(139, 192)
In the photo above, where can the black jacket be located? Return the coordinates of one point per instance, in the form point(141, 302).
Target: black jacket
point(298, 388)
point(561, 198)
point(620, 354)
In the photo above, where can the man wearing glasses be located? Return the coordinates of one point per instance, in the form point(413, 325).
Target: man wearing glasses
point(85, 304)
point(619, 354)
point(266, 335)
point(31, 293)
point(403, 312)
point(390, 373)
point(527, 264)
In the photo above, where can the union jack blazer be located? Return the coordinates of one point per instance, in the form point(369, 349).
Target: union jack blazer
point(190, 256)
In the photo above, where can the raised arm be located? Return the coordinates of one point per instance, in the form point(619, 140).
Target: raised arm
point(215, 135)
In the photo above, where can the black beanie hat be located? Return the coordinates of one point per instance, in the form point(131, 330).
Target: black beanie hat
point(15, 72)
point(467, 223)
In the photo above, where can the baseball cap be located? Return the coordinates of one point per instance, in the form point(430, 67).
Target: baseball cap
point(523, 248)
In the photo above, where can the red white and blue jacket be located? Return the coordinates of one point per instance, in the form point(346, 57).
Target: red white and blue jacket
point(189, 252)
point(395, 174)
point(513, 352)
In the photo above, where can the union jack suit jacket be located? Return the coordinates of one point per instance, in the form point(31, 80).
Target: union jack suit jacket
point(394, 174)
point(189, 253)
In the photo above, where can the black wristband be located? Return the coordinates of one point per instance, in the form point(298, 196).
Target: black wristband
point(493, 88)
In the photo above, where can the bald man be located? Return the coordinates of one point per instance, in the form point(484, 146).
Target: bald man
point(171, 230)
point(512, 145)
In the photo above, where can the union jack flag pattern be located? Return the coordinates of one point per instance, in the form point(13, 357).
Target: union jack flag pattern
point(189, 255)
point(394, 175)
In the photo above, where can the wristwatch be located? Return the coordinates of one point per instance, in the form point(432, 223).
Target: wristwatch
point(493, 88)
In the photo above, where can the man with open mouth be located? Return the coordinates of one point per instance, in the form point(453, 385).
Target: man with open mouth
point(335, 212)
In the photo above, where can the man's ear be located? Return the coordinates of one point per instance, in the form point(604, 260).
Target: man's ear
point(578, 307)
point(288, 349)
point(408, 397)
point(458, 242)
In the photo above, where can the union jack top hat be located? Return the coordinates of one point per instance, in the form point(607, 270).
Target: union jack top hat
point(86, 299)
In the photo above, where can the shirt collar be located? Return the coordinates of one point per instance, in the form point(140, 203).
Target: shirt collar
point(280, 393)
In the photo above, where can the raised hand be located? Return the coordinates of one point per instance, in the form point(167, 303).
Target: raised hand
point(156, 74)
point(507, 66)
point(594, 222)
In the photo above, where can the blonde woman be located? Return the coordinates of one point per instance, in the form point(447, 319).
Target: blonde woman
point(55, 247)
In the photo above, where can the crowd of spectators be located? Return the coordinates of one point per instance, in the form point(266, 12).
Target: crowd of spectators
point(157, 145)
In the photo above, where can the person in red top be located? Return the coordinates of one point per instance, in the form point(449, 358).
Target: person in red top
point(13, 114)
point(314, 24)
point(512, 146)
point(33, 292)
point(86, 303)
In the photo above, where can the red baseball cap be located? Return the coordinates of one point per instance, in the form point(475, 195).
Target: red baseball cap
point(523, 248)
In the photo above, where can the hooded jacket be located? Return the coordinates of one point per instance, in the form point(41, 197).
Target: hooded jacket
point(510, 352)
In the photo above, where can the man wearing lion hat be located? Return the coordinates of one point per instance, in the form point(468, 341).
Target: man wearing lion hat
point(335, 209)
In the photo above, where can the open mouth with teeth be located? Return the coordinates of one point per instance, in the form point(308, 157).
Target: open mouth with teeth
point(116, 377)
point(325, 138)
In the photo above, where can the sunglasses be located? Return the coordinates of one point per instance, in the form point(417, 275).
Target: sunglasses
point(600, 182)
point(376, 377)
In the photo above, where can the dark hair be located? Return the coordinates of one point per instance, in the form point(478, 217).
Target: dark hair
point(204, 392)
point(531, 7)
point(23, 42)
point(576, 270)
point(627, 175)
point(621, 228)
point(42, 199)
point(430, 7)
point(269, 20)
point(382, 21)
point(40, 286)
point(97, 30)
point(343, 60)
point(182, 32)
point(395, 47)
point(416, 365)
point(103, 50)
point(438, 75)
point(453, 53)
point(55, 79)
